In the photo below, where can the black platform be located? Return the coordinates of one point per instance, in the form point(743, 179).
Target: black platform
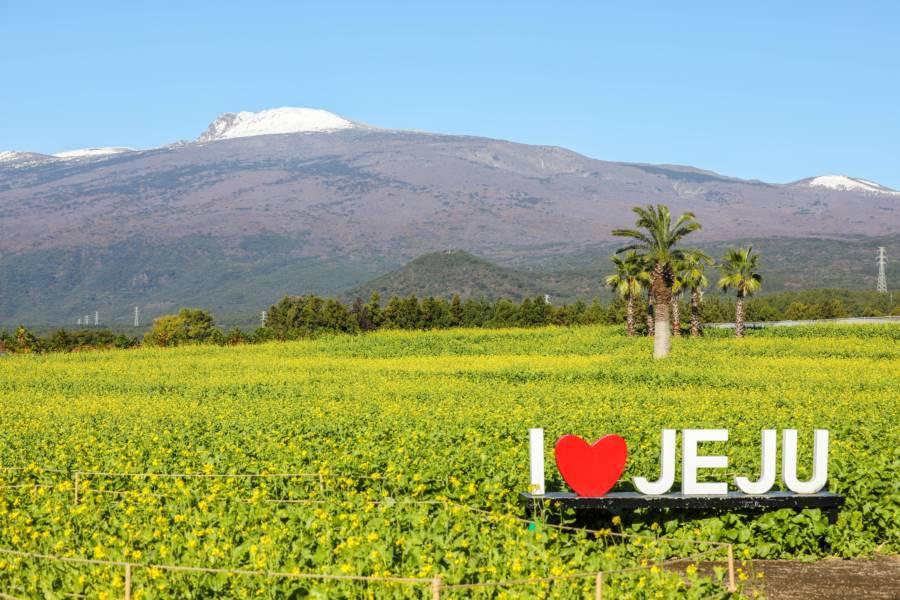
point(617, 501)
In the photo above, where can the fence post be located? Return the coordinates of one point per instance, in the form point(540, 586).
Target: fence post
point(436, 588)
point(598, 586)
point(731, 586)
point(77, 478)
point(127, 581)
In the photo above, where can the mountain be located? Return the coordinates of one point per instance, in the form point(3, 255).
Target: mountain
point(302, 200)
point(442, 274)
point(273, 121)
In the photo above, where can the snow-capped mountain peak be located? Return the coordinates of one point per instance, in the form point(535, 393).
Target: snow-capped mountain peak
point(92, 152)
point(844, 183)
point(273, 121)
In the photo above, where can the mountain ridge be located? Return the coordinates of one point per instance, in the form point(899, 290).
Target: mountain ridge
point(230, 223)
point(288, 120)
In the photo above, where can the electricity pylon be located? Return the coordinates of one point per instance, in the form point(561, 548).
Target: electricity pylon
point(881, 286)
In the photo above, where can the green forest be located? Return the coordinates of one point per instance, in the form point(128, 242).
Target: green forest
point(296, 317)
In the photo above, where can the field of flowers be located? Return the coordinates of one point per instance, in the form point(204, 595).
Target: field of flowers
point(392, 439)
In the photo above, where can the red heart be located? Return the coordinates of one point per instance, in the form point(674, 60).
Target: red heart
point(591, 470)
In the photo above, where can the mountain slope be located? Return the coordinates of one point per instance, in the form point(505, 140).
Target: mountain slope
point(442, 274)
point(92, 152)
point(347, 202)
point(396, 193)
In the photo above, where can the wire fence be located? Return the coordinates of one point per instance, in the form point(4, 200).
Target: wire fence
point(435, 586)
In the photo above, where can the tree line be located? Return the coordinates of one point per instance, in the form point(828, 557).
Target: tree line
point(296, 317)
point(23, 340)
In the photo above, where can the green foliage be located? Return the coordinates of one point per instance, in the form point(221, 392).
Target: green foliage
point(61, 340)
point(691, 271)
point(740, 271)
point(302, 316)
point(443, 274)
point(630, 277)
point(189, 326)
point(227, 275)
point(398, 416)
point(310, 316)
point(657, 237)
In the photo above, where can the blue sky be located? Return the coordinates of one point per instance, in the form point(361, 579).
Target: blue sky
point(769, 90)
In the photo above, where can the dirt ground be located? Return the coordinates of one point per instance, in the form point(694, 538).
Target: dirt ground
point(877, 578)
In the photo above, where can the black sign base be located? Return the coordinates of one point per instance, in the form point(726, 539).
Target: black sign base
point(618, 501)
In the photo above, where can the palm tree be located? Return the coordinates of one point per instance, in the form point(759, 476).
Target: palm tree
point(656, 236)
point(677, 292)
point(693, 278)
point(629, 281)
point(739, 271)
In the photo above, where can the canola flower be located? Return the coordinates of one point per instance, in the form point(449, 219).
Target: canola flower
point(381, 425)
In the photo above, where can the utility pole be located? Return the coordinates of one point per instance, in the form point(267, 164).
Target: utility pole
point(137, 316)
point(881, 286)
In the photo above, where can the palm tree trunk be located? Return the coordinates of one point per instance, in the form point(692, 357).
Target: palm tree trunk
point(629, 315)
point(661, 288)
point(650, 316)
point(676, 317)
point(739, 317)
point(661, 335)
point(695, 312)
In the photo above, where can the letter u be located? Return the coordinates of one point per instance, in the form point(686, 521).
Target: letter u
point(789, 462)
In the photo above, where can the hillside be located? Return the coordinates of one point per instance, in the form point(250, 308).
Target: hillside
point(293, 201)
point(443, 274)
point(788, 265)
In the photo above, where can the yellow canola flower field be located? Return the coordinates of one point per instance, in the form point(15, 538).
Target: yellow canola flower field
point(389, 437)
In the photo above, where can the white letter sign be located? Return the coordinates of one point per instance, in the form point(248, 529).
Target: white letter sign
point(789, 462)
point(594, 470)
point(690, 462)
point(767, 469)
point(536, 443)
point(666, 468)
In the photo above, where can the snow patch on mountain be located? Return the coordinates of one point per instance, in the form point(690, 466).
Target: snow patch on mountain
point(17, 160)
point(848, 184)
point(273, 121)
point(14, 156)
point(92, 152)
